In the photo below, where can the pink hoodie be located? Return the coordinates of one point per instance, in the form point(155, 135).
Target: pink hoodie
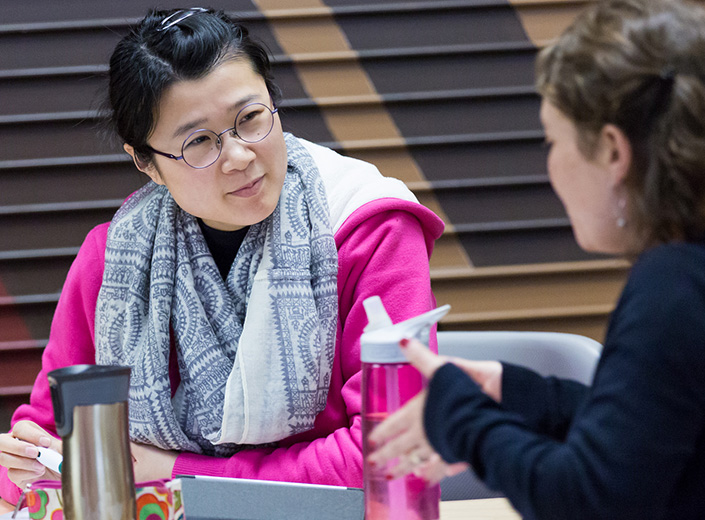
point(383, 249)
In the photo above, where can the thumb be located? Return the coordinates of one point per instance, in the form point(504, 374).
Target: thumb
point(420, 357)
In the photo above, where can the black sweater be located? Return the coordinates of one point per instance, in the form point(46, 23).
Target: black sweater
point(632, 446)
point(223, 245)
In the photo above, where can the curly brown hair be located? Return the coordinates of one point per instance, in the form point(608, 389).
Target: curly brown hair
point(640, 65)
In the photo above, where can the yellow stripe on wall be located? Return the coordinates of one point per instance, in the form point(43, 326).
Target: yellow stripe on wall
point(544, 20)
point(330, 72)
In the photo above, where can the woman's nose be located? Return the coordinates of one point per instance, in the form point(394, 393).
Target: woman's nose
point(236, 155)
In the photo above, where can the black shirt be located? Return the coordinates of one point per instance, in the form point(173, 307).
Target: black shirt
point(223, 245)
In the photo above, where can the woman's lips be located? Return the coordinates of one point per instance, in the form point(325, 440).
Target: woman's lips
point(249, 190)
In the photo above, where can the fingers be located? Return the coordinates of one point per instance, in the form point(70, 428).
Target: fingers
point(400, 420)
point(456, 468)
point(420, 357)
point(12, 448)
point(22, 478)
point(403, 446)
point(417, 460)
point(20, 459)
point(398, 447)
point(410, 453)
point(433, 470)
point(18, 453)
point(436, 469)
point(405, 454)
point(31, 432)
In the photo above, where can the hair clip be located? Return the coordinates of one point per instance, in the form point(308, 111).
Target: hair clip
point(185, 13)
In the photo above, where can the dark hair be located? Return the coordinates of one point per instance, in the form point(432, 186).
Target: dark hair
point(638, 64)
point(150, 59)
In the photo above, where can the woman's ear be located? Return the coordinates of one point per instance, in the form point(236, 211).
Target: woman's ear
point(615, 153)
point(148, 168)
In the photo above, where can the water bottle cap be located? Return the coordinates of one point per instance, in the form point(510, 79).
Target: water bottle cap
point(377, 316)
point(382, 345)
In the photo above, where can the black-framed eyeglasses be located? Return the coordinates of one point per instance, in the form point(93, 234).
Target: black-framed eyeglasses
point(202, 148)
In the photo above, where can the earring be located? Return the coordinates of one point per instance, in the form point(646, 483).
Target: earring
point(621, 219)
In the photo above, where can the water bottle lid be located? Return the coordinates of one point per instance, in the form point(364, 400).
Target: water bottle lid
point(377, 316)
point(382, 345)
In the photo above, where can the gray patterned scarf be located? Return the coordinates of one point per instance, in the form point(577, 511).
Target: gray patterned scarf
point(254, 352)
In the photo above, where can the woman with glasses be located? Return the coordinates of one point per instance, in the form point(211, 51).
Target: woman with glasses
point(624, 114)
point(232, 283)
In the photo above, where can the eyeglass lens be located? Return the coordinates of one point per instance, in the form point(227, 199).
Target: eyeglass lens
point(252, 124)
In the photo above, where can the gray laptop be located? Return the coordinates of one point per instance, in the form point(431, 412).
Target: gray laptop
point(217, 498)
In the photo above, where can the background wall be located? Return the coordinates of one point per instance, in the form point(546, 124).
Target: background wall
point(437, 93)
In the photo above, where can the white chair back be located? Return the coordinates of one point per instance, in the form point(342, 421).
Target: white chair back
point(568, 356)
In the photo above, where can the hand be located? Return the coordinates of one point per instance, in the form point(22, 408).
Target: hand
point(487, 375)
point(18, 453)
point(402, 436)
point(151, 463)
point(436, 469)
point(6, 507)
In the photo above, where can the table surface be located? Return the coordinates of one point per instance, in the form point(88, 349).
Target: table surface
point(479, 509)
point(483, 509)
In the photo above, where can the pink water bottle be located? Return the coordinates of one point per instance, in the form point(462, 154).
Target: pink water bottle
point(388, 381)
